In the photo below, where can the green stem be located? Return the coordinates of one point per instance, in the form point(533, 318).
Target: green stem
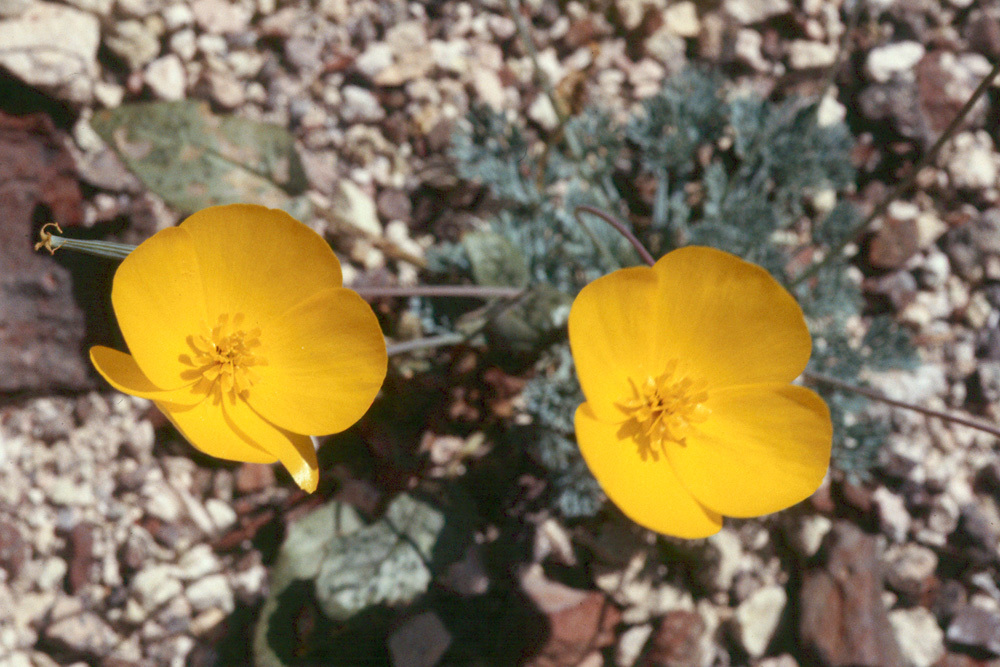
point(906, 183)
point(619, 227)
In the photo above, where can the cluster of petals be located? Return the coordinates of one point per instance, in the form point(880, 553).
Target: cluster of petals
point(240, 331)
point(690, 414)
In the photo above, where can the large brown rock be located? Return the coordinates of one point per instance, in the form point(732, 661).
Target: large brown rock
point(41, 327)
point(843, 620)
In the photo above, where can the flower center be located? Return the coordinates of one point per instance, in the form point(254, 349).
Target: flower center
point(225, 356)
point(662, 408)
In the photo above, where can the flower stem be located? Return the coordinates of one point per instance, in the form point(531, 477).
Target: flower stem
point(819, 378)
point(109, 249)
point(619, 227)
point(458, 291)
point(425, 343)
point(907, 182)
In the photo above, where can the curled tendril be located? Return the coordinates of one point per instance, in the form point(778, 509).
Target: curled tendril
point(46, 237)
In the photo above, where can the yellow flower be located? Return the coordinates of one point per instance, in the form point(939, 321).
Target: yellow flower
point(689, 413)
point(241, 333)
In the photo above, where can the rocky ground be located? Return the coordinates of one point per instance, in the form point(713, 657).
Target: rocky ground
point(120, 546)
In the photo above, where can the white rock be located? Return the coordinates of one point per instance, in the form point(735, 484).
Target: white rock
point(351, 207)
point(747, 49)
point(374, 59)
point(918, 635)
point(211, 592)
point(176, 16)
point(134, 42)
point(53, 48)
point(809, 537)
point(184, 44)
point(757, 618)
point(730, 551)
point(681, 18)
point(223, 515)
point(971, 161)
point(360, 106)
point(893, 517)
point(542, 112)
point(197, 562)
point(166, 77)
point(884, 62)
point(155, 585)
point(631, 643)
point(830, 111)
point(488, 87)
point(747, 12)
point(804, 54)
point(82, 631)
point(220, 17)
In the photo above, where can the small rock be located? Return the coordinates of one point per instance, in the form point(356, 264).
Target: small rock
point(360, 106)
point(977, 629)
point(911, 571)
point(919, 637)
point(894, 520)
point(681, 19)
point(804, 54)
point(542, 112)
point(677, 641)
point(224, 89)
point(166, 77)
point(78, 630)
point(757, 618)
point(223, 516)
point(353, 209)
point(133, 42)
point(220, 17)
point(155, 585)
point(53, 48)
point(747, 12)
point(884, 62)
point(843, 619)
point(970, 160)
point(378, 56)
point(631, 643)
point(810, 534)
point(197, 562)
point(210, 592)
point(420, 642)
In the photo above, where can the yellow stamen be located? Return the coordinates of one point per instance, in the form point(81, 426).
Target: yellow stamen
point(224, 356)
point(662, 409)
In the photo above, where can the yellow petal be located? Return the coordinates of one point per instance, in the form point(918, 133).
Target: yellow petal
point(728, 320)
point(296, 452)
point(326, 360)
point(123, 373)
point(647, 491)
point(158, 299)
point(258, 261)
point(205, 426)
point(763, 448)
point(612, 337)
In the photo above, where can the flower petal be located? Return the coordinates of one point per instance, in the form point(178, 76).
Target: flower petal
point(648, 492)
point(326, 361)
point(728, 320)
point(258, 261)
point(158, 299)
point(123, 373)
point(204, 425)
point(296, 452)
point(612, 338)
point(762, 449)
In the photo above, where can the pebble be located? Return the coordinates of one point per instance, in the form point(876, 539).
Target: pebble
point(155, 585)
point(79, 630)
point(166, 77)
point(54, 48)
point(220, 17)
point(910, 571)
point(977, 629)
point(747, 12)
point(757, 618)
point(971, 161)
point(681, 19)
point(631, 643)
point(804, 54)
point(360, 106)
point(210, 592)
point(885, 62)
point(919, 636)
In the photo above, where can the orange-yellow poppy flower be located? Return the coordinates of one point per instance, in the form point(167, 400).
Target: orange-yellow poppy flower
point(690, 415)
point(241, 333)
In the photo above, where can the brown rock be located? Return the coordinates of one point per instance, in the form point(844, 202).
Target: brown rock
point(41, 327)
point(893, 244)
point(254, 477)
point(843, 620)
point(676, 643)
point(13, 550)
point(81, 557)
point(976, 629)
point(579, 621)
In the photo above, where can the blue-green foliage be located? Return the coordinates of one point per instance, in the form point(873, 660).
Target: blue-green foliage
point(730, 171)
